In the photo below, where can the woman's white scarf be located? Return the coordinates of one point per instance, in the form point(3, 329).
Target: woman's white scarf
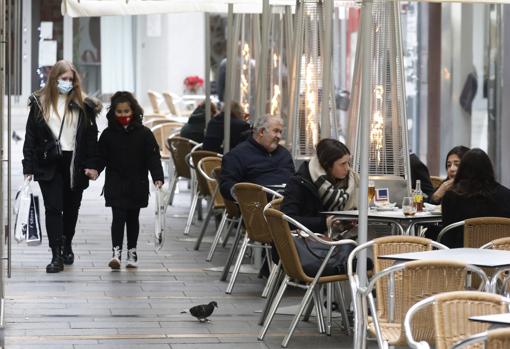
point(339, 197)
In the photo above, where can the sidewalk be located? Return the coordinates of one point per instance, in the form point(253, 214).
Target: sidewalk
point(89, 306)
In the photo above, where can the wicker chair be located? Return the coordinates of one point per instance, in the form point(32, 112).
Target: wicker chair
point(154, 99)
point(451, 312)
point(436, 181)
point(179, 148)
point(494, 339)
point(206, 168)
point(295, 276)
point(500, 279)
point(155, 121)
point(161, 133)
point(231, 215)
point(480, 231)
point(171, 100)
point(252, 198)
point(199, 183)
point(379, 247)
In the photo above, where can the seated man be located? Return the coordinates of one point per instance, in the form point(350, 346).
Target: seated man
point(260, 159)
point(239, 129)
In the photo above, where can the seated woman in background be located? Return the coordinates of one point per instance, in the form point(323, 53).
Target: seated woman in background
point(475, 193)
point(326, 183)
point(453, 159)
point(194, 129)
point(239, 129)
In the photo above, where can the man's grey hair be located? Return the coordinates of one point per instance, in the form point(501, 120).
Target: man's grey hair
point(263, 121)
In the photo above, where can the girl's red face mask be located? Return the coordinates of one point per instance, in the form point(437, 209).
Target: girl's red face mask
point(124, 120)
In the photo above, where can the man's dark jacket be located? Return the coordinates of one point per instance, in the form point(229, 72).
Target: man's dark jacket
point(128, 154)
point(38, 135)
point(251, 162)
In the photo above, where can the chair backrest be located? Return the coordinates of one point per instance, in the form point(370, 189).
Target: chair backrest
point(179, 147)
point(162, 132)
point(494, 339)
point(499, 244)
point(413, 282)
point(481, 230)
point(169, 100)
point(155, 122)
point(276, 203)
point(395, 184)
point(451, 312)
point(252, 198)
point(390, 245)
point(196, 156)
point(206, 166)
point(230, 206)
point(153, 99)
point(436, 181)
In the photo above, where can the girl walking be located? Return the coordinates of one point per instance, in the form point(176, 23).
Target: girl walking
point(128, 151)
point(60, 152)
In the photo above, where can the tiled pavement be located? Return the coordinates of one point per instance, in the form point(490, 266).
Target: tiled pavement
point(89, 306)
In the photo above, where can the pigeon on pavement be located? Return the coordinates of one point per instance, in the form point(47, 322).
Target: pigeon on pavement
point(203, 311)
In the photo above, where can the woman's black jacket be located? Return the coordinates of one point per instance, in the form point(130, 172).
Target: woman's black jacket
point(38, 135)
point(301, 201)
point(128, 154)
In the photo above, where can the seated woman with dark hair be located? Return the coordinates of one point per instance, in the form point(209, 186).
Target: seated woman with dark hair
point(475, 193)
point(195, 127)
point(325, 183)
point(453, 159)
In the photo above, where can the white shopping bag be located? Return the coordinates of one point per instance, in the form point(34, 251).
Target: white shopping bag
point(162, 196)
point(34, 232)
point(21, 210)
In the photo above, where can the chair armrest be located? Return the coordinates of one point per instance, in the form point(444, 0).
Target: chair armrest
point(448, 228)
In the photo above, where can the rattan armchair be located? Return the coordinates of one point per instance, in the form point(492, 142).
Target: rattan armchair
point(494, 339)
point(450, 314)
point(379, 247)
point(154, 99)
point(481, 230)
point(252, 198)
point(500, 279)
point(295, 275)
point(436, 181)
point(179, 148)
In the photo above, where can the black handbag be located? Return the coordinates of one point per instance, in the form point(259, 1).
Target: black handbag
point(312, 254)
point(52, 151)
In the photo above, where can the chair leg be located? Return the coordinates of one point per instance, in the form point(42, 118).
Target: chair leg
point(237, 265)
point(274, 307)
point(191, 213)
point(217, 236)
point(205, 223)
point(318, 302)
point(301, 308)
point(272, 275)
point(308, 312)
point(172, 186)
point(343, 309)
point(272, 293)
point(231, 255)
point(329, 300)
point(229, 232)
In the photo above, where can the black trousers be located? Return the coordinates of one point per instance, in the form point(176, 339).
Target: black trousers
point(125, 218)
point(61, 203)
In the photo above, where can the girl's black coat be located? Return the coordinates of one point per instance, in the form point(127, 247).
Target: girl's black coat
point(128, 154)
point(38, 134)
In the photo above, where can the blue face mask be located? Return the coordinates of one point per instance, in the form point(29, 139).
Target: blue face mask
point(64, 86)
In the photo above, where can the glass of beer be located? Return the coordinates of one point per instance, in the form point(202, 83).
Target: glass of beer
point(371, 192)
point(408, 207)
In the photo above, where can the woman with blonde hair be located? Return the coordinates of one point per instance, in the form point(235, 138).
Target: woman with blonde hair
point(60, 152)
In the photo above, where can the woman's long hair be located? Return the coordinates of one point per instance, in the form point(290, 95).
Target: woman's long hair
point(125, 97)
point(49, 93)
point(475, 176)
point(330, 150)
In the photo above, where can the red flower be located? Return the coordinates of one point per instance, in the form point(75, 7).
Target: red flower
point(193, 83)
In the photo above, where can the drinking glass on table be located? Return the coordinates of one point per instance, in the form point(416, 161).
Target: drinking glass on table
point(408, 207)
point(371, 192)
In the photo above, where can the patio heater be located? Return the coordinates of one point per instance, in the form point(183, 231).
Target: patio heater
point(312, 112)
point(275, 55)
point(388, 153)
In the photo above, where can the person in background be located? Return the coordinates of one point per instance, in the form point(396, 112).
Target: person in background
point(260, 159)
point(420, 171)
point(60, 112)
point(195, 127)
point(474, 193)
point(239, 129)
point(325, 183)
point(128, 151)
point(453, 159)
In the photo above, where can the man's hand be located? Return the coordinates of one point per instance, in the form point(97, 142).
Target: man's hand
point(91, 173)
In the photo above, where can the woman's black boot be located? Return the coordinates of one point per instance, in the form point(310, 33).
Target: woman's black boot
point(67, 252)
point(56, 265)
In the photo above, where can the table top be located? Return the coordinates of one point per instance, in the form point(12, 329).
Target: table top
point(501, 319)
point(391, 214)
point(474, 256)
